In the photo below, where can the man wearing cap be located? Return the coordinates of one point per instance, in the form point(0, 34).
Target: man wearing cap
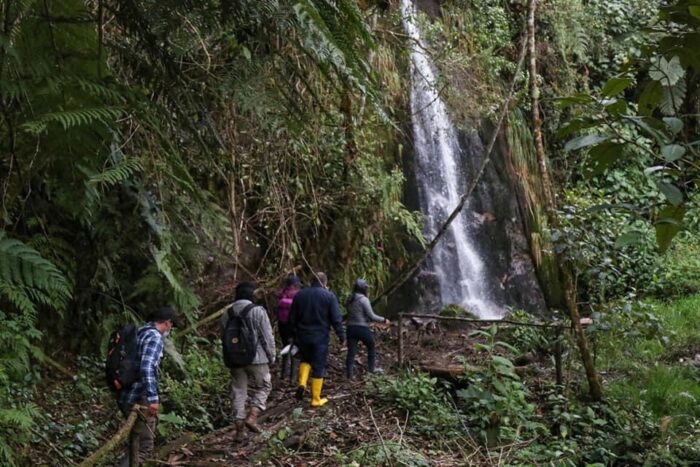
point(360, 314)
point(145, 390)
point(314, 311)
point(255, 376)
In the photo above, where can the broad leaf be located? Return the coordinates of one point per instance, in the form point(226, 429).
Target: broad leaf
point(628, 238)
point(651, 126)
point(668, 224)
point(601, 156)
point(671, 192)
point(674, 124)
point(672, 98)
point(672, 152)
point(615, 86)
point(668, 72)
point(584, 141)
point(650, 98)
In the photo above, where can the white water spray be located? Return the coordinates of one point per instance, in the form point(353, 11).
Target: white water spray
point(441, 181)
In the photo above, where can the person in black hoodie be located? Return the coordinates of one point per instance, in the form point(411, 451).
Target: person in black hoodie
point(314, 311)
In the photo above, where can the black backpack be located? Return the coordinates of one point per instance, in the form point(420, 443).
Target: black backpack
point(123, 365)
point(239, 339)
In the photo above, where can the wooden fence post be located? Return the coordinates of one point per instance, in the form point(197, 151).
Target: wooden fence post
point(557, 357)
point(400, 339)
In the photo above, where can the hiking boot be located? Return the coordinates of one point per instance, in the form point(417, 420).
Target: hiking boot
point(240, 431)
point(251, 420)
point(316, 399)
point(304, 372)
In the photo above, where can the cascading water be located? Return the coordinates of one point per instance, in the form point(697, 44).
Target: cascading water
point(441, 180)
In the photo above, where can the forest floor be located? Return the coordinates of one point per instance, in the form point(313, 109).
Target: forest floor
point(353, 425)
point(361, 425)
point(354, 428)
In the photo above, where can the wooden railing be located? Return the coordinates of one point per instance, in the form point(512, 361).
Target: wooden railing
point(558, 326)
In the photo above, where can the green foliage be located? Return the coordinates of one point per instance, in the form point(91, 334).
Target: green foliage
point(628, 320)
point(426, 403)
point(496, 401)
point(594, 239)
point(681, 267)
point(664, 390)
point(191, 402)
point(666, 137)
point(386, 453)
point(16, 414)
point(458, 311)
point(526, 338)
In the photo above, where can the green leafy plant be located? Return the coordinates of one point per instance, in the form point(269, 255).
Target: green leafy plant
point(495, 401)
point(422, 398)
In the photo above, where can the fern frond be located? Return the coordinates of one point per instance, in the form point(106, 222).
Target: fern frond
point(74, 118)
point(24, 266)
point(18, 298)
point(119, 172)
point(16, 418)
point(89, 87)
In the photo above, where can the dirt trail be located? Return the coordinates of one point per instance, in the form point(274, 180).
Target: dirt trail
point(295, 434)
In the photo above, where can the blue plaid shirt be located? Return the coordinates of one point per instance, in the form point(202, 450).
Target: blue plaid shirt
point(150, 343)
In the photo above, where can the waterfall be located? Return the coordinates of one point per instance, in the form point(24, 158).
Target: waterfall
point(441, 179)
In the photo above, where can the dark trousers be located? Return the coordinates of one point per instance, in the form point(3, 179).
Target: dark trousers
point(290, 365)
point(286, 332)
point(142, 436)
point(355, 335)
point(315, 353)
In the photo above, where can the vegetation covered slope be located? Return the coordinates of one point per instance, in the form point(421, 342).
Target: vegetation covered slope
point(156, 151)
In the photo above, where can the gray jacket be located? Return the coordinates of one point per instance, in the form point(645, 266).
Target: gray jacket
point(360, 312)
point(260, 322)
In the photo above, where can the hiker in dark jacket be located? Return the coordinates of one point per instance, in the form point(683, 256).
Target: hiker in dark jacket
point(145, 391)
point(360, 314)
point(284, 307)
point(314, 311)
point(255, 376)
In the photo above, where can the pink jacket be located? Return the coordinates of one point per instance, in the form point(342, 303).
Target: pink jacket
point(284, 304)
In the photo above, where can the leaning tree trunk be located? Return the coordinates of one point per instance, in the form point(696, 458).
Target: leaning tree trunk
point(594, 385)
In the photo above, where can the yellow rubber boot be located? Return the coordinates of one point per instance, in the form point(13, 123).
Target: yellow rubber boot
point(316, 399)
point(304, 372)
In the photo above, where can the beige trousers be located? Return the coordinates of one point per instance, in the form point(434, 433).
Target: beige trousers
point(254, 377)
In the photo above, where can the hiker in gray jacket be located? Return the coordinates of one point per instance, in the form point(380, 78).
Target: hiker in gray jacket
point(255, 376)
point(360, 314)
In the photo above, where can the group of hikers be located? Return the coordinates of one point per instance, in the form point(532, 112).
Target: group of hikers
point(305, 317)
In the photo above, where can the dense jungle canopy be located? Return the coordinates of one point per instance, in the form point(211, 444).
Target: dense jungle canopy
point(158, 152)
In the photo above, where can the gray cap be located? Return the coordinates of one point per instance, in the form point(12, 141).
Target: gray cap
point(361, 284)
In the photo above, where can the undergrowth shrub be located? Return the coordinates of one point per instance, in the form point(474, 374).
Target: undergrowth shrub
point(495, 401)
point(16, 414)
point(681, 267)
point(423, 398)
point(193, 394)
point(387, 453)
point(526, 338)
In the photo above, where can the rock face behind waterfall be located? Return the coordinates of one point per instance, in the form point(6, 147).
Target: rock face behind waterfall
point(499, 232)
point(481, 262)
point(501, 235)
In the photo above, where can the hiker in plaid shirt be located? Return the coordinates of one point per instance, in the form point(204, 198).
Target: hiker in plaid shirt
point(145, 391)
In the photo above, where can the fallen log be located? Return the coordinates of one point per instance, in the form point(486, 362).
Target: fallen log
point(203, 321)
point(450, 373)
point(53, 363)
point(118, 437)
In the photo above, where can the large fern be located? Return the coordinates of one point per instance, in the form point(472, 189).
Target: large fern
point(26, 274)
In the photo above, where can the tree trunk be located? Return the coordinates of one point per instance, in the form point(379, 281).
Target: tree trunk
point(535, 96)
point(594, 385)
